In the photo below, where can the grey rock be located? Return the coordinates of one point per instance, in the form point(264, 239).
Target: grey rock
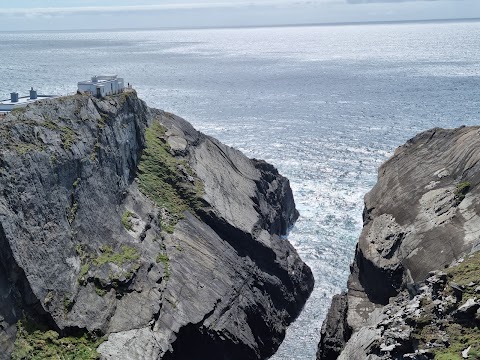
point(387, 348)
point(419, 355)
point(335, 332)
point(466, 351)
point(437, 281)
point(360, 344)
point(457, 290)
point(416, 220)
point(468, 309)
point(231, 284)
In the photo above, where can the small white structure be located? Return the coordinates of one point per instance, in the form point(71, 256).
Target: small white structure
point(15, 101)
point(101, 86)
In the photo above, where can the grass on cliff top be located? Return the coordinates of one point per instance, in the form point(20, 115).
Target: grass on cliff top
point(461, 336)
point(39, 343)
point(467, 271)
point(162, 181)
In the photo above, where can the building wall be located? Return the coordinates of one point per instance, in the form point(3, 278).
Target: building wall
point(106, 88)
point(6, 107)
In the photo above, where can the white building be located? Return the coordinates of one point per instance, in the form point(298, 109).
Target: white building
point(15, 101)
point(101, 86)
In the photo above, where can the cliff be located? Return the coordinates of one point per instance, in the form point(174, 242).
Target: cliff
point(127, 234)
point(421, 216)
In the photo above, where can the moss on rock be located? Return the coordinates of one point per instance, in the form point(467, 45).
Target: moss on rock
point(162, 180)
point(36, 342)
point(165, 260)
point(126, 221)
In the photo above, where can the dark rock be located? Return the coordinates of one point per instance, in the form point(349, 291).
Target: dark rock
point(335, 332)
point(457, 291)
point(422, 215)
point(437, 281)
point(83, 249)
point(467, 310)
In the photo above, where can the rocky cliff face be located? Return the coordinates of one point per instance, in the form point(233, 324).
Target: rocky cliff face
point(127, 234)
point(422, 215)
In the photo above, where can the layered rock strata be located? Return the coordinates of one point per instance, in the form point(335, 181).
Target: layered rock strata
point(422, 215)
point(131, 235)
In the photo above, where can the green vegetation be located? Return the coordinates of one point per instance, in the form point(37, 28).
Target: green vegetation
point(461, 334)
point(85, 268)
point(96, 147)
point(73, 213)
point(39, 343)
point(460, 338)
point(23, 148)
point(461, 190)
point(127, 254)
point(18, 110)
point(179, 247)
point(67, 135)
point(126, 221)
point(49, 124)
point(76, 183)
point(24, 141)
point(101, 292)
point(102, 121)
point(165, 260)
point(466, 272)
point(162, 181)
point(123, 97)
point(81, 251)
point(83, 271)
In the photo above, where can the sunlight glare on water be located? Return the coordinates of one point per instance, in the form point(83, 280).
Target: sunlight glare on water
point(325, 105)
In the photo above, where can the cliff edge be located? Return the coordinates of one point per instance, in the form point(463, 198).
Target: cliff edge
point(127, 234)
point(421, 216)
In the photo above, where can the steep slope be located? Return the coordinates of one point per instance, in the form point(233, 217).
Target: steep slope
point(125, 231)
point(422, 215)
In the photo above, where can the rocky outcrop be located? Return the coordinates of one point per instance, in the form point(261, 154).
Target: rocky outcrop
point(422, 215)
point(128, 233)
point(335, 329)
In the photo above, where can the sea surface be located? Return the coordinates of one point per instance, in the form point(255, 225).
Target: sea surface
point(325, 105)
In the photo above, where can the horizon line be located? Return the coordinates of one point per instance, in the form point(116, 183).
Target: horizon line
point(220, 27)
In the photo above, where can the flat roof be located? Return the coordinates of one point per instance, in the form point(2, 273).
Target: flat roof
point(25, 100)
point(98, 82)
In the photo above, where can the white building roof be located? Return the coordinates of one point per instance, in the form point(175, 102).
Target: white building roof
point(24, 100)
point(100, 80)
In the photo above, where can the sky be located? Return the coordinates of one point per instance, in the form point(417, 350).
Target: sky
point(21, 15)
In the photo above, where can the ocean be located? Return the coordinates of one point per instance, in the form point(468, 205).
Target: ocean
point(325, 104)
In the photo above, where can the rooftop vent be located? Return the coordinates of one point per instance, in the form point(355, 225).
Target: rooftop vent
point(14, 97)
point(33, 94)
